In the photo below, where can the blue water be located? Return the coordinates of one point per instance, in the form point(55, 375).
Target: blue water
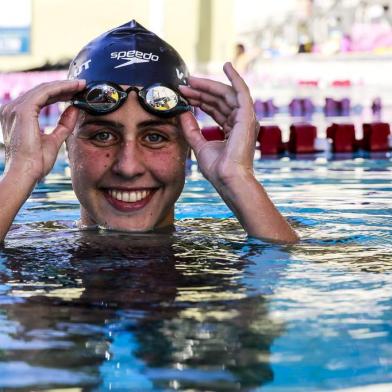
point(205, 308)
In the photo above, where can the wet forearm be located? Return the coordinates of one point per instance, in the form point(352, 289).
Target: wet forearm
point(255, 211)
point(14, 191)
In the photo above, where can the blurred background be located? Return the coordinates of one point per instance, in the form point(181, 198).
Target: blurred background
point(285, 49)
point(35, 33)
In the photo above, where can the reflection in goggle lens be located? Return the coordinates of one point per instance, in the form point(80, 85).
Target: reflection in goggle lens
point(161, 98)
point(102, 97)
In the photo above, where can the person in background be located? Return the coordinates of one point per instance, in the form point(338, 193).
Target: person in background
point(242, 59)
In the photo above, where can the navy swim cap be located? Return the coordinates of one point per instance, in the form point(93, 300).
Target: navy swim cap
point(130, 55)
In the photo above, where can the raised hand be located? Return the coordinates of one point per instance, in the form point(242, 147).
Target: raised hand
point(232, 108)
point(228, 164)
point(28, 151)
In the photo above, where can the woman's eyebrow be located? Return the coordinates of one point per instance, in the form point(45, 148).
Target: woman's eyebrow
point(157, 122)
point(99, 122)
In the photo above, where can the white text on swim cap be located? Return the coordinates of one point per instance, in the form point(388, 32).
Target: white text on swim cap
point(82, 67)
point(133, 56)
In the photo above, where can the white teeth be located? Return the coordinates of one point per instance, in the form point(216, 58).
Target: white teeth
point(129, 197)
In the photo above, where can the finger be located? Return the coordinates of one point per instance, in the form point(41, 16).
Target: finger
point(226, 128)
point(242, 138)
point(245, 117)
point(65, 97)
point(239, 85)
point(65, 126)
point(214, 88)
point(191, 131)
point(2, 109)
point(211, 111)
point(214, 113)
point(194, 102)
point(52, 92)
point(212, 100)
point(231, 119)
point(228, 125)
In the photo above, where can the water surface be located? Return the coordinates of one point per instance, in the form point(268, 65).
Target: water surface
point(205, 307)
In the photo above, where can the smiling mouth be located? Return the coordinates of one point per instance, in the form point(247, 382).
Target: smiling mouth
point(128, 196)
point(127, 200)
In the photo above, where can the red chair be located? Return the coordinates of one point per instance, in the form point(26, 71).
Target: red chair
point(343, 137)
point(270, 140)
point(213, 133)
point(375, 136)
point(302, 138)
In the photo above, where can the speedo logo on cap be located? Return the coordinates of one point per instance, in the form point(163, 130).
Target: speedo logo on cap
point(133, 57)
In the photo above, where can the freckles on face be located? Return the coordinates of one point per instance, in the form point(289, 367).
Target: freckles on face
point(128, 168)
point(88, 164)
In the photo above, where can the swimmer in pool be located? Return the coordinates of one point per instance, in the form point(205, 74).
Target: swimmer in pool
point(128, 131)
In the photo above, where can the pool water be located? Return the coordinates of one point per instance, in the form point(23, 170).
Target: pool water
point(206, 308)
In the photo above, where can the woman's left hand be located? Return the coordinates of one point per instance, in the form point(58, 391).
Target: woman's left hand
point(232, 108)
point(228, 164)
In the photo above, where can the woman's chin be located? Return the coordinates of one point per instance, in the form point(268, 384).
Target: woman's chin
point(142, 221)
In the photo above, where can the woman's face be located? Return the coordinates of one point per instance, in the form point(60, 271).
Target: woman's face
point(127, 168)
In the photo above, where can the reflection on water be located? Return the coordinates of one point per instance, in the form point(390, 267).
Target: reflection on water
point(204, 307)
point(134, 311)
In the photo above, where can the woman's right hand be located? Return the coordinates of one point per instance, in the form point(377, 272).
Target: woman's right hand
point(29, 152)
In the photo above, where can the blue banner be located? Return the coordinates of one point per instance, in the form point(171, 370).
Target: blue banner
point(14, 40)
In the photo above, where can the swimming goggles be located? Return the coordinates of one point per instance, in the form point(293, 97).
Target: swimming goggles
point(105, 97)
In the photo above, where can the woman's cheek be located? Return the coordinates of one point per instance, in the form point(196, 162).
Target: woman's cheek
point(91, 163)
point(168, 166)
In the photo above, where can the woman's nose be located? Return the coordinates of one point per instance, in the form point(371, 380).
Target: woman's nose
point(129, 161)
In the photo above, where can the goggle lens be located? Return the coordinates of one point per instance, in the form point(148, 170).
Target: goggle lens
point(102, 97)
point(161, 98)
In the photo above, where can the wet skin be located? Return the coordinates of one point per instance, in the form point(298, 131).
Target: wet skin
point(128, 168)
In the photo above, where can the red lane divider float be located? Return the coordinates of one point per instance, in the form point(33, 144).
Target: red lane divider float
point(342, 136)
point(376, 136)
point(270, 139)
point(302, 138)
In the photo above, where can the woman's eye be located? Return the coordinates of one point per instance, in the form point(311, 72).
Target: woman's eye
point(104, 137)
point(154, 138)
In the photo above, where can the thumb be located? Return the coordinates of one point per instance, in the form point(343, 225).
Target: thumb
point(65, 126)
point(191, 131)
